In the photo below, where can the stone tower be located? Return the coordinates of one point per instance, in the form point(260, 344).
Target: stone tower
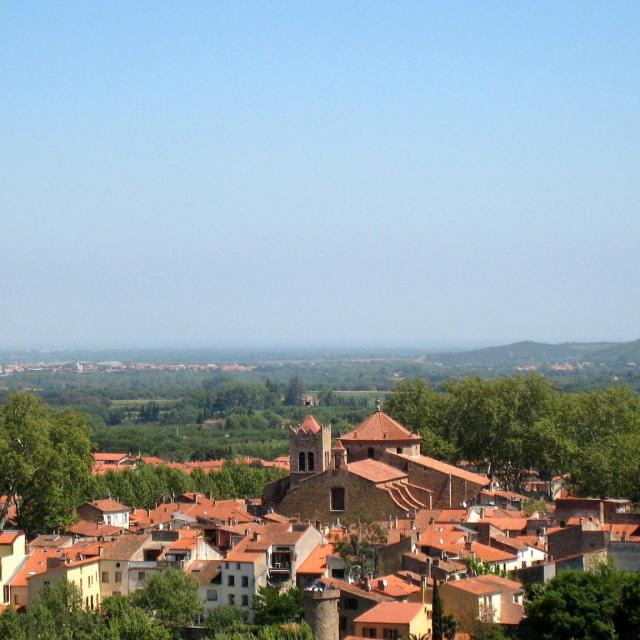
point(309, 449)
point(321, 612)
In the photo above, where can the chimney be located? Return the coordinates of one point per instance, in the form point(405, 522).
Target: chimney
point(423, 588)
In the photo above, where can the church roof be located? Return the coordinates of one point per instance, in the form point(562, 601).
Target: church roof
point(375, 471)
point(309, 425)
point(380, 427)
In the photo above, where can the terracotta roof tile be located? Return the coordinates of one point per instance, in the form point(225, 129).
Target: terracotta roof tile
point(109, 506)
point(448, 469)
point(310, 425)
point(375, 471)
point(379, 426)
point(9, 537)
point(316, 562)
point(355, 590)
point(393, 586)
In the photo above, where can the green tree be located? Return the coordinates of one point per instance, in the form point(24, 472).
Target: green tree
point(294, 392)
point(627, 617)
point(123, 621)
point(449, 627)
point(531, 506)
point(438, 631)
point(422, 410)
point(12, 625)
point(223, 619)
point(277, 607)
point(574, 606)
point(171, 597)
point(46, 463)
point(359, 548)
point(58, 614)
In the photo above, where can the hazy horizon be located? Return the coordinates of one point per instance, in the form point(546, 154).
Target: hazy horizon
point(287, 174)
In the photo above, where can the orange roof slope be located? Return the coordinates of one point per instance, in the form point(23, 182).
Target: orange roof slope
point(391, 613)
point(310, 425)
point(393, 586)
point(379, 426)
point(375, 471)
point(448, 469)
point(316, 562)
point(10, 536)
point(107, 505)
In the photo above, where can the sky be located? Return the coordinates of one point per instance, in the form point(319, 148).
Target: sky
point(216, 174)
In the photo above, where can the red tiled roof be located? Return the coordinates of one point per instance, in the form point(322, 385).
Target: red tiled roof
point(91, 529)
point(393, 586)
point(244, 556)
point(491, 554)
point(9, 537)
point(391, 613)
point(109, 457)
point(310, 425)
point(447, 469)
point(375, 471)
point(316, 562)
point(354, 589)
point(505, 524)
point(379, 426)
point(109, 506)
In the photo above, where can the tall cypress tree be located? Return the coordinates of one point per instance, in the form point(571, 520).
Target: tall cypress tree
point(437, 613)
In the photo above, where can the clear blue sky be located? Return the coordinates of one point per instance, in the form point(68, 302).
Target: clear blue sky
point(256, 173)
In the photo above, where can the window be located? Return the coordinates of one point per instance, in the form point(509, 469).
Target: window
point(140, 575)
point(245, 581)
point(390, 634)
point(398, 449)
point(337, 573)
point(369, 633)
point(311, 463)
point(238, 566)
point(370, 454)
point(212, 595)
point(231, 581)
point(350, 603)
point(118, 576)
point(115, 593)
point(232, 598)
point(337, 499)
point(343, 623)
point(245, 601)
point(301, 462)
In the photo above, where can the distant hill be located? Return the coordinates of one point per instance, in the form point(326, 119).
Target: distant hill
point(617, 355)
point(540, 353)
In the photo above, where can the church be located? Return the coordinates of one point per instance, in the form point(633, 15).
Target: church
point(375, 471)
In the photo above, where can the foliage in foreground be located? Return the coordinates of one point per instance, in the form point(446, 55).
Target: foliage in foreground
point(521, 423)
point(162, 610)
point(599, 605)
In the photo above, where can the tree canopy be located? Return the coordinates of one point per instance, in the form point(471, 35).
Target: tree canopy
point(46, 463)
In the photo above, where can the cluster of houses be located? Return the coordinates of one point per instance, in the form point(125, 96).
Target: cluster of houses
point(441, 524)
